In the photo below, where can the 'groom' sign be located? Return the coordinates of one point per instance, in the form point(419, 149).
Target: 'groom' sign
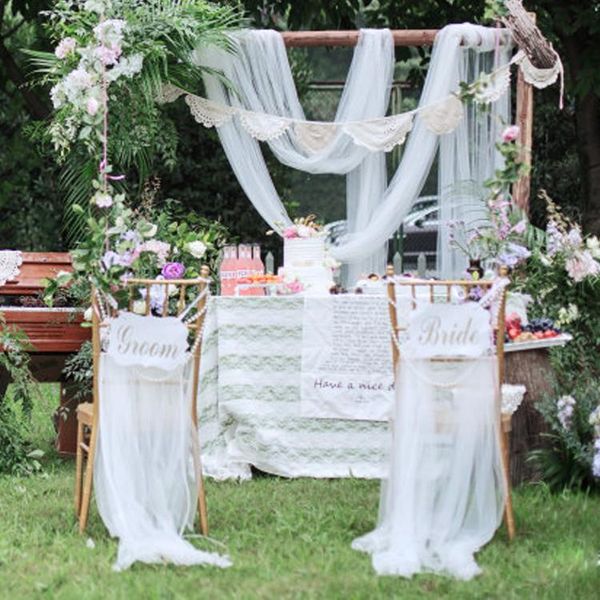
point(448, 330)
point(147, 341)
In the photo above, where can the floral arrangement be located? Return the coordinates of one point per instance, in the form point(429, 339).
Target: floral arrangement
point(125, 48)
point(303, 227)
point(147, 243)
point(501, 235)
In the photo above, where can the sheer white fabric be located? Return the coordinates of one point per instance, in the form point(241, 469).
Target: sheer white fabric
point(262, 81)
point(444, 495)
point(468, 155)
point(145, 476)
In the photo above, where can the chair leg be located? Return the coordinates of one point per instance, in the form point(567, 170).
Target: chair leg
point(509, 517)
point(87, 484)
point(202, 511)
point(78, 468)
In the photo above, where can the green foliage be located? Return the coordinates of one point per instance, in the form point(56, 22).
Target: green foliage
point(16, 454)
point(79, 370)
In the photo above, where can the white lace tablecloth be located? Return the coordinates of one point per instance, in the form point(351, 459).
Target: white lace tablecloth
point(249, 404)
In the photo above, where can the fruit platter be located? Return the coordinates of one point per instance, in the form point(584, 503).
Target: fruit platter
point(540, 332)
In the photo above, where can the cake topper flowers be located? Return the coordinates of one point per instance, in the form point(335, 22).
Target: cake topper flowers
point(302, 227)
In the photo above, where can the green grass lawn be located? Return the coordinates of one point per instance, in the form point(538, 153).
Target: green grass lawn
point(288, 539)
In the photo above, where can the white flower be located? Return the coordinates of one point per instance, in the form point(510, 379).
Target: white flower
point(304, 231)
point(127, 67)
point(151, 231)
point(87, 315)
point(139, 307)
point(172, 290)
point(120, 222)
point(92, 106)
point(197, 248)
point(110, 32)
point(65, 47)
point(57, 95)
point(102, 199)
point(90, 544)
point(593, 245)
point(582, 265)
point(97, 6)
point(568, 315)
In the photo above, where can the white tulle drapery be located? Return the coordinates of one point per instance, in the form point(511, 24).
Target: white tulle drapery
point(261, 81)
point(144, 477)
point(444, 495)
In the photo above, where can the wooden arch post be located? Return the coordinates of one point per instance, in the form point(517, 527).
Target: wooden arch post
point(426, 37)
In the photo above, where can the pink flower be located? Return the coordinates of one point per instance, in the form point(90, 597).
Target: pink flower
point(161, 249)
point(92, 106)
point(295, 287)
point(65, 47)
point(108, 55)
point(582, 265)
point(173, 270)
point(510, 134)
point(290, 232)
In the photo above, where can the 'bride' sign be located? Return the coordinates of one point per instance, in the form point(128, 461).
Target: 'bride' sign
point(448, 330)
point(147, 341)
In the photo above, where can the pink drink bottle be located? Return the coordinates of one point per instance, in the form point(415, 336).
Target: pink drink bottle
point(228, 271)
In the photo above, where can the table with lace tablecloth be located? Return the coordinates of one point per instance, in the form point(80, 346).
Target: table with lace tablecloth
point(250, 403)
point(250, 400)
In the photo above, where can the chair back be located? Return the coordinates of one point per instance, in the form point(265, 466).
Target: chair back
point(421, 294)
point(185, 299)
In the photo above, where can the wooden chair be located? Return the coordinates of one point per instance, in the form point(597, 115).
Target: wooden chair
point(88, 413)
point(432, 293)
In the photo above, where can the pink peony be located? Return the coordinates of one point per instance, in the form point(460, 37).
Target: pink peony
point(510, 134)
point(290, 232)
point(173, 270)
point(92, 106)
point(65, 47)
point(582, 265)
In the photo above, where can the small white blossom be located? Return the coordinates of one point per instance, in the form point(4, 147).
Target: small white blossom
point(197, 248)
point(97, 6)
point(87, 315)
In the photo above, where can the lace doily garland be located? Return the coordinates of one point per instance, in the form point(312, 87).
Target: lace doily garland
point(377, 135)
point(10, 265)
point(512, 397)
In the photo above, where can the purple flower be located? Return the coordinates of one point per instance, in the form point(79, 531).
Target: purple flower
point(173, 270)
point(110, 259)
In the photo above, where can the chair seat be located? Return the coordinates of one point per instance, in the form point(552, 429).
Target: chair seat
point(85, 413)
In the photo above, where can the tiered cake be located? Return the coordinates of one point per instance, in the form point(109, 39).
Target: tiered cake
point(304, 260)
